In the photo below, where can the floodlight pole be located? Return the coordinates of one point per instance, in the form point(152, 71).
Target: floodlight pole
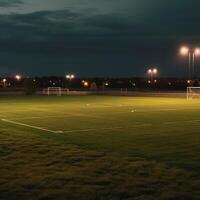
point(193, 67)
point(191, 53)
point(189, 65)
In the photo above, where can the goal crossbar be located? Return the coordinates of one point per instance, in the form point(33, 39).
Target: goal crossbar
point(193, 92)
point(58, 91)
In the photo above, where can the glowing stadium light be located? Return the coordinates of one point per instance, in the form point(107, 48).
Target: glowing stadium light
point(106, 84)
point(155, 71)
point(70, 76)
point(18, 77)
point(150, 71)
point(197, 51)
point(4, 80)
point(184, 50)
point(191, 53)
point(86, 83)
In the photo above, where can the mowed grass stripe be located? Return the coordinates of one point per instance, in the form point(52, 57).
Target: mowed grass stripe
point(141, 158)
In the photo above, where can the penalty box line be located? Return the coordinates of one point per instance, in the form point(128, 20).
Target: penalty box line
point(30, 126)
point(52, 131)
point(71, 131)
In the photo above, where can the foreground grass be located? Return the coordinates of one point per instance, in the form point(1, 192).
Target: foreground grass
point(159, 161)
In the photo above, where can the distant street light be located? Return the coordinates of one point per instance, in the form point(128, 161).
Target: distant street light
point(152, 73)
point(70, 76)
point(106, 84)
point(4, 82)
point(18, 77)
point(197, 52)
point(184, 51)
point(85, 83)
point(191, 53)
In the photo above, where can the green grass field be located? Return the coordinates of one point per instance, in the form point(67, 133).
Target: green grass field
point(98, 147)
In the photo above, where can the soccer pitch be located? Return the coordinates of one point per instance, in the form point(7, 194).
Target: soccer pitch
point(98, 147)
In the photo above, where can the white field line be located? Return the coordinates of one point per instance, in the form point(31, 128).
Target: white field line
point(30, 126)
point(72, 131)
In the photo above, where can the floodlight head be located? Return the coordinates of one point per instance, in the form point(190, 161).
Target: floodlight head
point(18, 77)
point(197, 51)
point(184, 50)
point(150, 71)
point(86, 83)
point(68, 76)
point(106, 84)
point(155, 71)
point(72, 76)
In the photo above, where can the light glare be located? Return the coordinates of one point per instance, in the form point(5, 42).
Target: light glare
point(70, 76)
point(18, 77)
point(197, 51)
point(184, 51)
point(155, 71)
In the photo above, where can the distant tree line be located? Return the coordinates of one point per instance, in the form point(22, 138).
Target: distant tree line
point(30, 85)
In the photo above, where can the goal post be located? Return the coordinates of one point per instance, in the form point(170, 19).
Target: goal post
point(193, 92)
point(54, 91)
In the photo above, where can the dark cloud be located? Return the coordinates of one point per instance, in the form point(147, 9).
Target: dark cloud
point(95, 43)
point(67, 23)
point(9, 3)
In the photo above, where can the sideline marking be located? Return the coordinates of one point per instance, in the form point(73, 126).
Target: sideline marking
point(30, 126)
point(72, 131)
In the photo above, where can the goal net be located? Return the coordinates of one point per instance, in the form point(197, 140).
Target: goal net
point(55, 91)
point(193, 92)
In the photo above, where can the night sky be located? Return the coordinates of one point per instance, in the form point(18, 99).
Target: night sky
point(96, 37)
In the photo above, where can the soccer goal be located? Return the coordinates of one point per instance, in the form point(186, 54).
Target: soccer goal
point(193, 92)
point(54, 91)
